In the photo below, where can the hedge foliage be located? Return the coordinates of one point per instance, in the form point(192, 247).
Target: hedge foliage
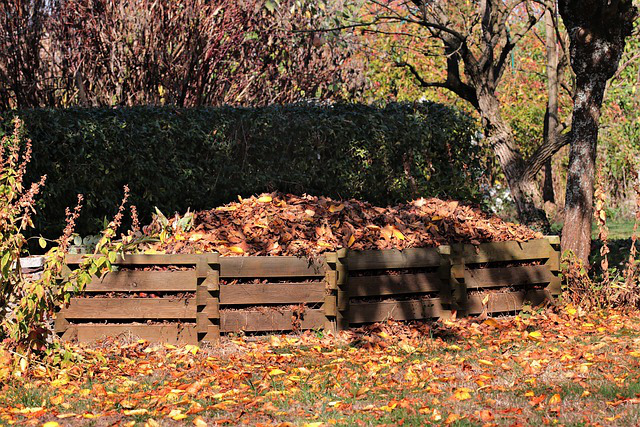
point(200, 158)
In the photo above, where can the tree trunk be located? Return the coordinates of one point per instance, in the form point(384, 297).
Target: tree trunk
point(578, 212)
point(597, 30)
point(551, 116)
point(525, 191)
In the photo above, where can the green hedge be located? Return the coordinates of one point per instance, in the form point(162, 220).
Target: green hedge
point(200, 158)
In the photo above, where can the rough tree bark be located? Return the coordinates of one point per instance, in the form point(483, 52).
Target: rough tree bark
point(551, 120)
point(597, 31)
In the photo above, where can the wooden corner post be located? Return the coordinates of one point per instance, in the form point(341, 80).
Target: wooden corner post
point(340, 273)
point(445, 292)
point(208, 298)
point(460, 300)
point(555, 287)
point(330, 305)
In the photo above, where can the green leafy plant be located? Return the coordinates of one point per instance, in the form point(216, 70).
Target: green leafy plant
point(27, 306)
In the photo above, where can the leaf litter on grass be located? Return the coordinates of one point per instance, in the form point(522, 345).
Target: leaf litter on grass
point(581, 369)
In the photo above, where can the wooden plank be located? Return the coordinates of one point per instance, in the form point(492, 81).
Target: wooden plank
point(501, 302)
point(61, 324)
point(272, 293)
point(507, 251)
point(370, 286)
point(144, 281)
point(170, 334)
point(389, 259)
point(508, 276)
point(130, 308)
point(265, 266)
point(366, 312)
point(152, 259)
point(330, 306)
point(268, 320)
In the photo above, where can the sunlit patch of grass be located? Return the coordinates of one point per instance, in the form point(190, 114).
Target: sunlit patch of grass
point(27, 395)
point(614, 392)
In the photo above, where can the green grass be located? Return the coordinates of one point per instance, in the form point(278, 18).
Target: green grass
point(618, 229)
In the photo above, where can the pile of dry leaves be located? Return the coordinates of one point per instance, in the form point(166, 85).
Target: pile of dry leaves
point(284, 224)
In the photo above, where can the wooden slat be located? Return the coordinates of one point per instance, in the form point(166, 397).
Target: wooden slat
point(144, 281)
point(388, 259)
point(169, 334)
point(272, 293)
point(501, 302)
point(264, 266)
point(268, 320)
point(330, 306)
point(508, 276)
point(507, 251)
point(130, 308)
point(366, 312)
point(370, 286)
point(153, 259)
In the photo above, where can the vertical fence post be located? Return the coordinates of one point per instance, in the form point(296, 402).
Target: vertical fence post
point(342, 293)
point(445, 291)
point(460, 301)
point(555, 287)
point(330, 305)
point(208, 298)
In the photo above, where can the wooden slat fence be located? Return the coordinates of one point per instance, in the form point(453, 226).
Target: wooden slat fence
point(196, 298)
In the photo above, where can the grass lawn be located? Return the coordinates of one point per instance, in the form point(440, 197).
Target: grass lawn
point(557, 367)
point(619, 229)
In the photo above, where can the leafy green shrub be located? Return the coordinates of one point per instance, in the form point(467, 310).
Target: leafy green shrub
point(178, 158)
point(26, 306)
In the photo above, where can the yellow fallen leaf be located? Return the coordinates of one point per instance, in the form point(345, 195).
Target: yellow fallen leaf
point(56, 400)
point(265, 199)
point(352, 240)
point(634, 353)
point(141, 411)
point(50, 424)
point(236, 249)
point(398, 235)
point(570, 310)
point(485, 362)
point(276, 371)
point(199, 422)
point(316, 424)
point(336, 208)
point(309, 212)
point(452, 418)
point(196, 236)
point(535, 335)
point(491, 322)
point(555, 399)
point(177, 415)
point(462, 394)
point(67, 415)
